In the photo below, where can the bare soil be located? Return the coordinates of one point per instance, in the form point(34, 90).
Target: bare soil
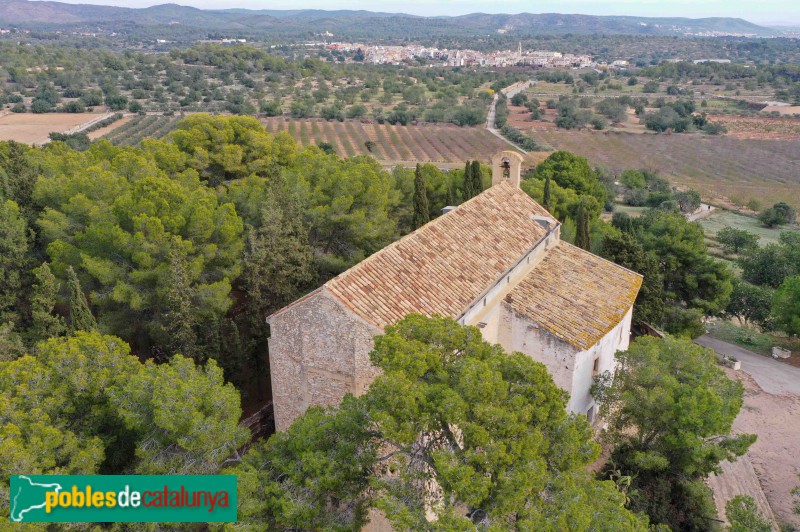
point(776, 421)
point(782, 109)
point(34, 128)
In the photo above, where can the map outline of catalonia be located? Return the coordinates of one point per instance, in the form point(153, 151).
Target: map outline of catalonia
point(18, 515)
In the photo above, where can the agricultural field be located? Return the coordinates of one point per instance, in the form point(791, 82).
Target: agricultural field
point(103, 131)
point(718, 167)
point(788, 110)
point(442, 144)
point(131, 132)
point(760, 127)
point(35, 128)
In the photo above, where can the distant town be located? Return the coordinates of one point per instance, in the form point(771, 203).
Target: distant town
point(395, 55)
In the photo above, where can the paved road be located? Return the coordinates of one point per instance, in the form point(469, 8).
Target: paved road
point(490, 118)
point(772, 376)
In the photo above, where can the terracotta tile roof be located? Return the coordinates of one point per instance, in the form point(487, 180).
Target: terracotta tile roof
point(576, 295)
point(445, 265)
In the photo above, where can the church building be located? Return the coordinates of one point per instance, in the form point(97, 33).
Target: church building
point(495, 262)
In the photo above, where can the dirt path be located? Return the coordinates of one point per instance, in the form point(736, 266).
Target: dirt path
point(776, 454)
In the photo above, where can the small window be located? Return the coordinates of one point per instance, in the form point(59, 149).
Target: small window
point(590, 414)
point(596, 367)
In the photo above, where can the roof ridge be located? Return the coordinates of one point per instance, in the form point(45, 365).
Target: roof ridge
point(436, 221)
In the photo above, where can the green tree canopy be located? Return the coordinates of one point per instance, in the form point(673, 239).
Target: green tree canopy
point(421, 208)
point(751, 304)
point(632, 179)
point(772, 264)
point(744, 516)
point(625, 250)
point(14, 262)
point(347, 203)
point(115, 217)
point(572, 171)
point(735, 240)
point(44, 322)
point(691, 276)
point(779, 214)
point(453, 426)
point(228, 148)
point(563, 201)
point(670, 409)
point(85, 405)
point(786, 305)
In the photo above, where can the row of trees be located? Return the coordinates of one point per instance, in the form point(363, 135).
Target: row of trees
point(238, 79)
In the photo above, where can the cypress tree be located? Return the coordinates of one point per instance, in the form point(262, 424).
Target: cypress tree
point(421, 208)
point(80, 315)
point(44, 324)
point(179, 319)
point(546, 195)
point(582, 223)
point(477, 181)
point(468, 190)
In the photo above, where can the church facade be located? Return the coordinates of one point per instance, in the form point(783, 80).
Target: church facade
point(495, 262)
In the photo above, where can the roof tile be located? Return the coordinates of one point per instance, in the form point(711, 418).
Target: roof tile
point(443, 266)
point(577, 296)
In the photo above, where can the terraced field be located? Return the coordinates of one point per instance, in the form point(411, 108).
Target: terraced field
point(718, 167)
point(442, 144)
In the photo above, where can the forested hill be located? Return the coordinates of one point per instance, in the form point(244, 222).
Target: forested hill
point(357, 24)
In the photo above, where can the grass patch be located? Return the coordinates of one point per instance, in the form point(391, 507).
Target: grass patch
point(756, 341)
point(720, 219)
point(633, 212)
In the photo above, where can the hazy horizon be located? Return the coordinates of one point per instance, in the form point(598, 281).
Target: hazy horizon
point(768, 12)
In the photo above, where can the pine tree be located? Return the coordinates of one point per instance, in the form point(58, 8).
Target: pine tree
point(421, 208)
point(546, 198)
point(469, 192)
point(477, 178)
point(582, 223)
point(80, 315)
point(44, 324)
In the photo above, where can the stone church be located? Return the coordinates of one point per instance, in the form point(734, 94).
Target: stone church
point(495, 262)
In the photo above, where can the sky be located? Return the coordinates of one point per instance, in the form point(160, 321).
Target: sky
point(775, 12)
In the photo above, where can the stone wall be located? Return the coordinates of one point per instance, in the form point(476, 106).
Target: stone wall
point(318, 352)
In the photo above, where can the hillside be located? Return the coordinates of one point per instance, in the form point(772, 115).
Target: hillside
point(363, 24)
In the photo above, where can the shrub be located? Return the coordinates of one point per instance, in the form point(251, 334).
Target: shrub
point(635, 197)
point(633, 179)
point(73, 107)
